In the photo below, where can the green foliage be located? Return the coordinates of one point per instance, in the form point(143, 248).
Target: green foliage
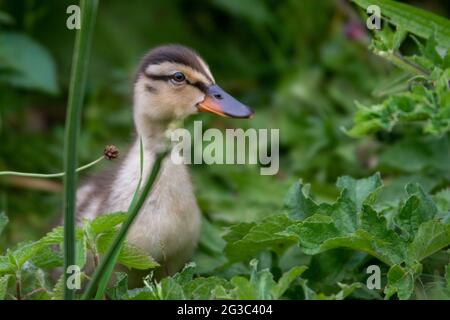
point(353, 221)
point(26, 63)
point(260, 286)
point(424, 96)
point(92, 237)
point(302, 73)
point(420, 22)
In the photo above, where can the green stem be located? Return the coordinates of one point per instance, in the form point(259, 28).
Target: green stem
point(103, 272)
point(51, 175)
point(403, 63)
point(78, 79)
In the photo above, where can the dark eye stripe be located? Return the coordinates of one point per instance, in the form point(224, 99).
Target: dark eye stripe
point(199, 85)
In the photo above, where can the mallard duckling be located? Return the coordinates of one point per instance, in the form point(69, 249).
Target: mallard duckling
point(171, 82)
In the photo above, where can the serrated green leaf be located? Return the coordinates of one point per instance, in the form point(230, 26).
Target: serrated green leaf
point(4, 286)
point(400, 281)
point(130, 255)
point(431, 237)
point(120, 288)
point(58, 290)
point(285, 281)
point(359, 191)
point(47, 258)
point(107, 222)
point(246, 240)
point(418, 209)
point(6, 266)
point(420, 22)
point(299, 206)
point(320, 233)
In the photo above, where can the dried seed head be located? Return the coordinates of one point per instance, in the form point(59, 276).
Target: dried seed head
point(111, 152)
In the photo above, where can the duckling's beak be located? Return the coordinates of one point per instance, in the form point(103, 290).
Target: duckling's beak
point(219, 102)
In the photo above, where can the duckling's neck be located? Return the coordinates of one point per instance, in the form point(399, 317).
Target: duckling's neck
point(152, 132)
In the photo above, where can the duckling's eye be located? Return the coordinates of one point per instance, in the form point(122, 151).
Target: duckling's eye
point(178, 77)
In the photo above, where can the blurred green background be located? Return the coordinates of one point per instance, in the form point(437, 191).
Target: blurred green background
point(300, 64)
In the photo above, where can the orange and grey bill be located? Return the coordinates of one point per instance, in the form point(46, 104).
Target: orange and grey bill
point(219, 102)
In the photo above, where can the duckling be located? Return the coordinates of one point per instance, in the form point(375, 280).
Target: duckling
point(172, 82)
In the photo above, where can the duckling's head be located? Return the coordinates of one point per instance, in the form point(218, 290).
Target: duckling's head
point(173, 82)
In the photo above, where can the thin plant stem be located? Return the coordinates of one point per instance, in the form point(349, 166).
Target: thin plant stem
point(51, 175)
point(18, 285)
point(78, 80)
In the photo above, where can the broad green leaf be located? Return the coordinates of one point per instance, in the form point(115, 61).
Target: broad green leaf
point(299, 206)
point(185, 275)
point(359, 191)
point(246, 240)
point(25, 252)
point(431, 237)
point(320, 233)
point(285, 281)
point(442, 200)
point(58, 290)
point(107, 222)
point(47, 258)
point(417, 21)
point(400, 281)
point(3, 221)
point(243, 289)
point(4, 286)
point(130, 255)
point(29, 65)
point(56, 236)
point(418, 209)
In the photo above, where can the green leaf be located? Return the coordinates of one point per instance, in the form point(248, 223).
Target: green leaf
point(4, 286)
point(345, 291)
point(359, 191)
point(299, 206)
point(431, 237)
point(320, 233)
point(107, 222)
point(120, 288)
point(130, 255)
point(417, 21)
point(3, 221)
point(246, 240)
point(203, 288)
point(28, 63)
point(418, 209)
point(47, 258)
point(400, 281)
point(285, 281)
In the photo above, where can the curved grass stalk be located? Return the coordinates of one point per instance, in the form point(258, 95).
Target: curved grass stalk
point(50, 175)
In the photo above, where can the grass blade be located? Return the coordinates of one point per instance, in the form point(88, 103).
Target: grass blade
point(103, 271)
point(78, 78)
